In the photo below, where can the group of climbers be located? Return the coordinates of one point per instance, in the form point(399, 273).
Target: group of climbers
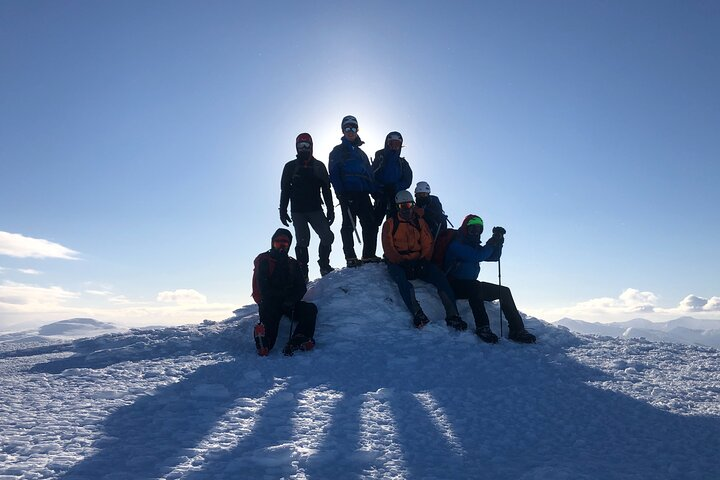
point(414, 230)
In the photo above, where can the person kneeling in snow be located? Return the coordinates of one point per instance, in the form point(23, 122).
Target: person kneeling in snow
point(462, 265)
point(278, 289)
point(408, 244)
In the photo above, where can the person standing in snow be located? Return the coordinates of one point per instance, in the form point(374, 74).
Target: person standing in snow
point(278, 289)
point(407, 243)
point(303, 179)
point(352, 178)
point(432, 209)
point(392, 174)
point(462, 265)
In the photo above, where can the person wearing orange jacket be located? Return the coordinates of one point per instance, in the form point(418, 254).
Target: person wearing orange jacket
point(407, 244)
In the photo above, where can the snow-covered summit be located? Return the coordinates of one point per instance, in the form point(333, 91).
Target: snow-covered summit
point(375, 399)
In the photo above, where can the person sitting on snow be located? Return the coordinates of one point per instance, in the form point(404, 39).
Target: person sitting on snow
point(407, 243)
point(278, 289)
point(462, 266)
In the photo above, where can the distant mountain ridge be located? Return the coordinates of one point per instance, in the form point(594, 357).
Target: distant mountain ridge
point(686, 330)
point(62, 330)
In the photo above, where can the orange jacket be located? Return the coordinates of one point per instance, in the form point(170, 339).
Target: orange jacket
point(409, 241)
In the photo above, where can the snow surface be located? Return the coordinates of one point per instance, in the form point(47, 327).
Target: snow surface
point(376, 399)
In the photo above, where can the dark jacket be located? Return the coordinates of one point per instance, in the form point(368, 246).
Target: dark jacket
point(350, 169)
point(433, 214)
point(279, 278)
point(301, 184)
point(463, 257)
point(392, 172)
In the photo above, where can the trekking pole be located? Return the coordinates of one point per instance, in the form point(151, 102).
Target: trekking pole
point(437, 232)
point(500, 295)
point(448, 220)
point(353, 224)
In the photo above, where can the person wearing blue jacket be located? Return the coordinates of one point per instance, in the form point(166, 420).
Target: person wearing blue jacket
point(462, 267)
point(392, 174)
point(353, 181)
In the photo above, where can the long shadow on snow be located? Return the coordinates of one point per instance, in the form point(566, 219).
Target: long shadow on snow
point(151, 436)
point(543, 420)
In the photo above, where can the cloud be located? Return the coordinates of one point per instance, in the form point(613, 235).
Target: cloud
point(16, 245)
point(631, 303)
point(637, 301)
point(182, 297)
point(713, 305)
point(22, 306)
point(29, 271)
point(693, 303)
point(29, 298)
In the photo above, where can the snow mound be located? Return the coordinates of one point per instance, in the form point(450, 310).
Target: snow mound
point(377, 398)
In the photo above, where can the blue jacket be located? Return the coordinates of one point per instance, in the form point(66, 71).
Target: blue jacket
point(392, 172)
point(463, 257)
point(350, 169)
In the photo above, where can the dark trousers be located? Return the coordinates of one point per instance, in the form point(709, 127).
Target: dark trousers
point(357, 207)
point(302, 313)
point(423, 270)
point(302, 221)
point(384, 207)
point(477, 293)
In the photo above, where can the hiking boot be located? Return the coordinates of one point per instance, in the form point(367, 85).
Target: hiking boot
point(325, 269)
point(259, 334)
point(486, 335)
point(372, 259)
point(420, 319)
point(456, 322)
point(298, 342)
point(521, 336)
point(353, 262)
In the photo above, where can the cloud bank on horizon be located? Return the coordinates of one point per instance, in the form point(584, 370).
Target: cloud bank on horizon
point(23, 303)
point(632, 303)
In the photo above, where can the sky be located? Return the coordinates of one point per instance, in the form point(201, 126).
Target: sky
point(141, 145)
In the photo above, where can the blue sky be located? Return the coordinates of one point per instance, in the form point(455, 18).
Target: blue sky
point(142, 143)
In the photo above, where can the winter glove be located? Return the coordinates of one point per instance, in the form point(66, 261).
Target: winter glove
point(497, 236)
point(284, 217)
point(330, 216)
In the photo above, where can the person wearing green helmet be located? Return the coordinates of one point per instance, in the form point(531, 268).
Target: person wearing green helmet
point(462, 266)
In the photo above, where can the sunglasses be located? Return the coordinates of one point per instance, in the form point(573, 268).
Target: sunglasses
point(304, 145)
point(406, 205)
point(350, 129)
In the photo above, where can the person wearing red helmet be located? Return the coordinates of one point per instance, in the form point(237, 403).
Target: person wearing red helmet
point(302, 182)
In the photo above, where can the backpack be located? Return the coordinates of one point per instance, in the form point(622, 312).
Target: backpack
point(256, 293)
point(441, 245)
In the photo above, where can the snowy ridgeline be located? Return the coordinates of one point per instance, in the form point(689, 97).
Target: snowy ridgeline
point(687, 330)
point(376, 399)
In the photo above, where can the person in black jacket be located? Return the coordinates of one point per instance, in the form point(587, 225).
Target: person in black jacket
point(392, 174)
point(303, 179)
point(278, 289)
point(352, 178)
point(432, 209)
